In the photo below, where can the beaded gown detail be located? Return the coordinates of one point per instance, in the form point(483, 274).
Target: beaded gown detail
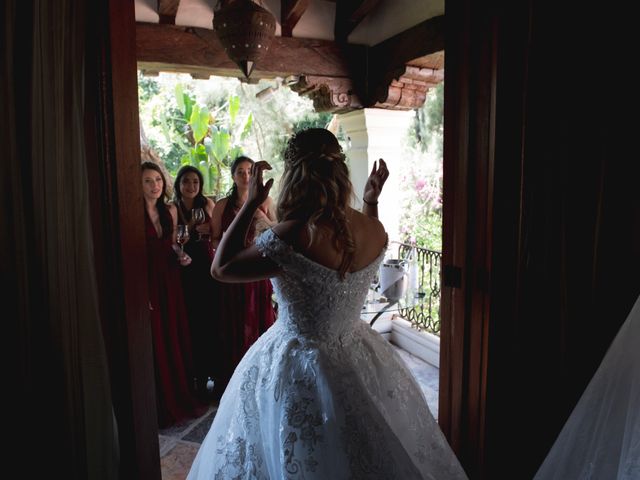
point(321, 395)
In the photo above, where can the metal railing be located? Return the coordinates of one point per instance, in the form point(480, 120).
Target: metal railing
point(426, 314)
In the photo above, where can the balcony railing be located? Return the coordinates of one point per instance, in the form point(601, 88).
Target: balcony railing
point(426, 315)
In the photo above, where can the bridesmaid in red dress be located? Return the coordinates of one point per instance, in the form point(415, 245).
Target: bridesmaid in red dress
point(168, 317)
point(198, 285)
point(245, 310)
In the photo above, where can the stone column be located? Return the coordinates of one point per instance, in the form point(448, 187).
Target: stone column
point(377, 133)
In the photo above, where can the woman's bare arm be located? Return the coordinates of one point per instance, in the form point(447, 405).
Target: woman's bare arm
point(265, 216)
point(233, 261)
point(216, 222)
point(209, 206)
point(271, 210)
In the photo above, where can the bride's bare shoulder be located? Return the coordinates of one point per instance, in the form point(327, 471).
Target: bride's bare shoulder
point(367, 227)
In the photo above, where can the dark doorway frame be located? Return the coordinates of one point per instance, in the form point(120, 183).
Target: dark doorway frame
point(130, 337)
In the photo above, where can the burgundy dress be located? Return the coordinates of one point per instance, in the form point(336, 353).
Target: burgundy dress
point(170, 331)
point(199, 296)
point(245, 311)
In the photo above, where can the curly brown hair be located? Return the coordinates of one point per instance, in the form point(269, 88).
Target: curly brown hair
point(315, 187)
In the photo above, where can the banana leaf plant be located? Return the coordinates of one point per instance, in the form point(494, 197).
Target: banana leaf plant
point(216, 139)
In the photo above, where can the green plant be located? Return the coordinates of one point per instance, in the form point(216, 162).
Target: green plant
point(216, 139)
point(208, 123)
point(237, 121)
point(422, 175)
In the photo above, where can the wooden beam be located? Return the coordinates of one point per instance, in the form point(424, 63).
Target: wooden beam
point(200, 76)
point(292, 11)
point(435, 61)
point(196, 50)
point(408, 88)
point(423, 39)
point(167, 10)
point(328, 94)
point(349, 14)
point(390, 82)
point(400, 66)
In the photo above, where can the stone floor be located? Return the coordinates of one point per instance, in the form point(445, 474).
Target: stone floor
point(427, 376)
point(179, 444)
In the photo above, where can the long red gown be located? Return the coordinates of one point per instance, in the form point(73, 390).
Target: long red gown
point(170, 331)
point(245, 311)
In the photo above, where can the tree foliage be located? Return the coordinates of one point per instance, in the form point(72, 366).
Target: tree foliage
point(207, 123)
point(421, 219)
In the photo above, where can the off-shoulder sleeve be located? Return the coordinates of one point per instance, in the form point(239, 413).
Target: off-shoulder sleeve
point(269, 245)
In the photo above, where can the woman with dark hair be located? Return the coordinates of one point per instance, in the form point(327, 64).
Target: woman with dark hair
point(320, 395)
point(244, 310)
point(188, 196)
point(168, 316)
point(195, 211)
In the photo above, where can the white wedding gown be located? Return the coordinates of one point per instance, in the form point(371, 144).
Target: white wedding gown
point(321, 395)
point(601, 438)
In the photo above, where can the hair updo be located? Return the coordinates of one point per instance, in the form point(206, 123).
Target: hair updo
point(315, 187)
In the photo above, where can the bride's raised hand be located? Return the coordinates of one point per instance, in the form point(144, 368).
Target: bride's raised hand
point(375, 182)
point(258, 190)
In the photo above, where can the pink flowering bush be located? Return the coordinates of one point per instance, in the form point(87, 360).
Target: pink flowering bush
point(421, 216)
point(421, 182)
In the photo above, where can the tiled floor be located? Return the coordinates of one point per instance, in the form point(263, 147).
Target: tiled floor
point(179, 444)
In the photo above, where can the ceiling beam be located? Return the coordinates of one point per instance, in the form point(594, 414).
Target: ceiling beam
point(420, 40)
point(408, 88)
point(167, 10)
point(291, 12)
point(389, 82)
point(334, 95)
point(197, 50)
point(349, 13)
point(396, 73)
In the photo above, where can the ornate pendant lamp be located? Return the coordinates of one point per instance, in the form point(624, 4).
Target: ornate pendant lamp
point(245, 30)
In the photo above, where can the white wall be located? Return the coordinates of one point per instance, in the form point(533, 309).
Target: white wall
point(377, 133)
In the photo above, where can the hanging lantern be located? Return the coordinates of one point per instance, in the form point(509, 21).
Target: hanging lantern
point(245, 31)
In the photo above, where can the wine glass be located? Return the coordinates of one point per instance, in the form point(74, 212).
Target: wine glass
point(182, 236)
point(197, 217)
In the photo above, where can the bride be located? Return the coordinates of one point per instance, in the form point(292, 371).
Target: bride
point(320, 395)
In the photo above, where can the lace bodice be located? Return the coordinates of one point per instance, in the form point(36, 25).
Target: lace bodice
point(312, 299)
